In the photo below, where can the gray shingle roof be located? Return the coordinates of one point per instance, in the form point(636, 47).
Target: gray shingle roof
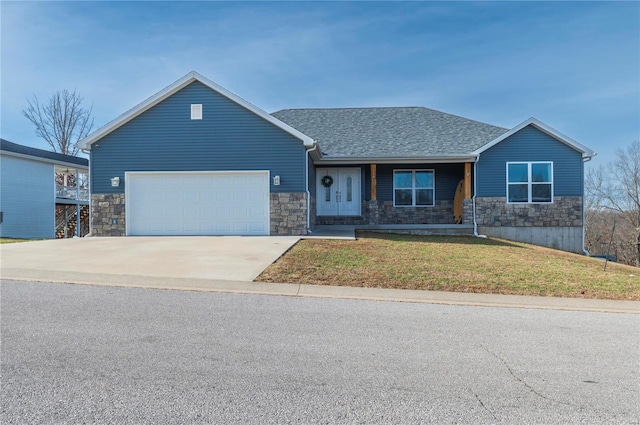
point(8, 146)
point(390, 132)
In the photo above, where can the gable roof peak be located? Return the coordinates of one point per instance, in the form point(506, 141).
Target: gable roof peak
point(178, 85)
point(585, 151)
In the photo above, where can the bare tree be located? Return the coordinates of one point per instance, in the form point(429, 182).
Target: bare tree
point(613, 193)
point(62, 122)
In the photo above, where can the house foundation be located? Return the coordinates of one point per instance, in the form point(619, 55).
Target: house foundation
point(555, 225)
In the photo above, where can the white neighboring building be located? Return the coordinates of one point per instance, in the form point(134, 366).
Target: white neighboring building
point(42, 193)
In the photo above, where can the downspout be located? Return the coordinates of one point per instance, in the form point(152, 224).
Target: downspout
point(89, 180)
point(306, 176)
point(584, 250)
point(473, 198)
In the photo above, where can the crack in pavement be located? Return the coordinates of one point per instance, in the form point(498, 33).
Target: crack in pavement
point(495, 418)
point(529, 387)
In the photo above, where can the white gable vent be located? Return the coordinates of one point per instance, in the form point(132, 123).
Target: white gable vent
point(196, 111)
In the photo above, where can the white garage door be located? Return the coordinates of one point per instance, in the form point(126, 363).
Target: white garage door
point(197, 203)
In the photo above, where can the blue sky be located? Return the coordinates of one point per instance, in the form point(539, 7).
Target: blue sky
point(573, 65)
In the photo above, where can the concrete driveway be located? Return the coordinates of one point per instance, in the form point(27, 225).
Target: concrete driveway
point(236, 258)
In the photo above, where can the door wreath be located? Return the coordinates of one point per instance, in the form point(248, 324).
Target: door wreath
point(327, 181)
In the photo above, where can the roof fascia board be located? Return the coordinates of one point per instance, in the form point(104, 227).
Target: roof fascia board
point(397, 160)
point(174, 88)
point(45, 160)
point(586, 152)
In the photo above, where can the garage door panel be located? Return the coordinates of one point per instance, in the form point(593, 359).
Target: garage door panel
point(208, 228)
point(240, 197)
point(191, 195)
point(223, 212)
point(209, 203)
point(173, 228)
point(223, 196)
point(168, 212)
point(223, 228)
point(191, 228)
point(191, 214)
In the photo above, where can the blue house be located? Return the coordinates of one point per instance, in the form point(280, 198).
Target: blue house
point(42, 193)
point(196, 159)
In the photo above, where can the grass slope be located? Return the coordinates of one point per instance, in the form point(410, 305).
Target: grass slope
point(11, 240)
point(452, 263)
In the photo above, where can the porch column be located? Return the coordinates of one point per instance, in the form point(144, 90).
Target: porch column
point(373, 182)
point(467, 180)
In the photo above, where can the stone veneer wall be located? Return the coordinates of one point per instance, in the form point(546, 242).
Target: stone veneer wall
point(288, 214)
point(104, 210)
point(440, 213)
point(563, 212)
point(467, 211)
point(383, 212)
point(312, 213)
point(557, 225)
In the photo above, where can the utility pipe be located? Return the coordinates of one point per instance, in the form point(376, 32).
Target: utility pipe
point(473, 199)
point(306, 175)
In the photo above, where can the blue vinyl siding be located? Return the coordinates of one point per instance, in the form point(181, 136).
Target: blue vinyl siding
point(229, 137)
point(27, 198)
point(530, 144)
point(447, 178)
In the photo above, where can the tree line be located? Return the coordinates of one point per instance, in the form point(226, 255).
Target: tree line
point(612, 198)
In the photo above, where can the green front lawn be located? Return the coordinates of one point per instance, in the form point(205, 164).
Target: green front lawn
point(10, 240)
point(452, 263)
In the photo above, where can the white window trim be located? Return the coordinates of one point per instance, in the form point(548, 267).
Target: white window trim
point(196, 111)
point(413, 188)
point(529, 183)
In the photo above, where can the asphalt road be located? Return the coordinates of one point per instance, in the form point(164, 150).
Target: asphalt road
point(90, 354)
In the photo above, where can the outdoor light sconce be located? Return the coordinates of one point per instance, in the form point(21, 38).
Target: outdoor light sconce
point(115, 182)
point(276, 180)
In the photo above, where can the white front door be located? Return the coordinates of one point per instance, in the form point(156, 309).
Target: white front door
point(342, 197)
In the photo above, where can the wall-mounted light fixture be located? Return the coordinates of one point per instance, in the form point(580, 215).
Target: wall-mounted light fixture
point(115, 182)
point(276, 180)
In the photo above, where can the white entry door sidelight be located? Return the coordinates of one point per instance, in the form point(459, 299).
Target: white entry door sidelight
point(338, 191)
